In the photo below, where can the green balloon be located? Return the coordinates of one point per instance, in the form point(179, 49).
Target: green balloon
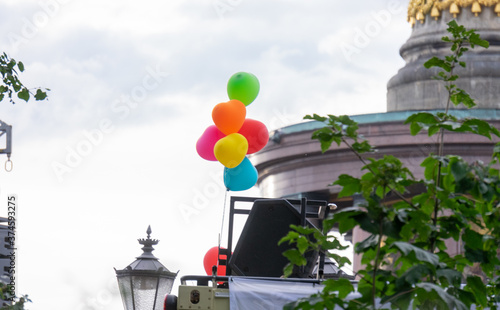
point(244, 87)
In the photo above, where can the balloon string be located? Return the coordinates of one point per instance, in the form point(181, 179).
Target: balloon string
point(222, 226)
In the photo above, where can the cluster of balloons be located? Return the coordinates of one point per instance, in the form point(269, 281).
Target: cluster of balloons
point(233, 136)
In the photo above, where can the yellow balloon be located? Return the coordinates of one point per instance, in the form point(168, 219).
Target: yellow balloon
point(231, 150)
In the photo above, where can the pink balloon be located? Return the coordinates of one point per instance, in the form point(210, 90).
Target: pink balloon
point(205, 144)
point(256, 134)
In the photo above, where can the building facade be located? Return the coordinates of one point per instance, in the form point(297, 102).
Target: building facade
point(292, 164)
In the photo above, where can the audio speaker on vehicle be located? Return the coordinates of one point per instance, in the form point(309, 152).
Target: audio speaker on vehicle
point(257, 252)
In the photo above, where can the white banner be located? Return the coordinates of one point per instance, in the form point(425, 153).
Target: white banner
point(260, 294)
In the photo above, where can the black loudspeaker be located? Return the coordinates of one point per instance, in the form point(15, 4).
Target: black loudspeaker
point(257, 252)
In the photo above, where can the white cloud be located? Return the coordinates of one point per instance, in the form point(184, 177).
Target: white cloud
point(96, 57)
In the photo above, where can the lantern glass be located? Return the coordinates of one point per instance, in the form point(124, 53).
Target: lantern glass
point(125, 287)
point(164, 288)
point(145, 291)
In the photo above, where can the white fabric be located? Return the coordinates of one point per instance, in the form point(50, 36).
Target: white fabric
point(259, 294)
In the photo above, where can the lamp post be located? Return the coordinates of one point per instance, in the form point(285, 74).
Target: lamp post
point(145, 282)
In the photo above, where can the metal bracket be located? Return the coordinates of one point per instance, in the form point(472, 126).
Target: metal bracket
point(6, 130)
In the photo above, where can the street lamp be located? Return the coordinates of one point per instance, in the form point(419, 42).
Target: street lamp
point(145, 282)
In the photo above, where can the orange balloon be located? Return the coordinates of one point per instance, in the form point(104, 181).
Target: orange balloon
point(229, 116)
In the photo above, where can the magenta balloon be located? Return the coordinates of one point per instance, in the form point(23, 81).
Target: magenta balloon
point(205, 144)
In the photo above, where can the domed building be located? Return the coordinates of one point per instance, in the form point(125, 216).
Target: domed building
point(292, 165)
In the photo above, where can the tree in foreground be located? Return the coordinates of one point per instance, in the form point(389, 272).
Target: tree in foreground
point(16, 303)
point(405, 258)
point(11, 84)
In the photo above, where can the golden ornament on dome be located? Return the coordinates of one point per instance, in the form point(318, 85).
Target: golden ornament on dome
point(418, 10)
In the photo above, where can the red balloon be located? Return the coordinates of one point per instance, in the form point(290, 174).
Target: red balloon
point(256, 133)
point(210, 260)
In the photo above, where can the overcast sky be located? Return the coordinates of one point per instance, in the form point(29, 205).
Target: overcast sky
point(133, 85)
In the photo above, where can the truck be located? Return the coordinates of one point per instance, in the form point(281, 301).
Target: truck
point(254, 269)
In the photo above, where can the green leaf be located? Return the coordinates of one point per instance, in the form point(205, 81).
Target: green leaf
point(437, 62)
point(413, 275)
point(363, 147)
point(433, 130)
point(346, 218)
point(303, 230)
point(316, 117)
point(350, 185)
point(295, 257)
point(343, 286)
point(422, 120)
point(422, 255)
point(460, 96)
point(340, 260)
point(430, 164)
point(452, 26)
point(16, 84)
point(459, 169)
point(415, 128)
point(466, 297)
point(422, 117)
point(475, 39)
point(40, 95)
point(453, 277)
point(291, 236)
point(367, 223)
point(473, 239)
point(302, 244)
point(477, 287)
point(439, 293)
point(288, 270)
point(370, 242)
point(496, 148)
point(24, 94)
point(480, 127)
point(326, 137)
point(476, 255)
point(20, 65)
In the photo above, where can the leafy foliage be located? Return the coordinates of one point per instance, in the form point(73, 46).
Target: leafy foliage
point(17, 302)
point(9, 86)
point(406, 260)
point(12, 85)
